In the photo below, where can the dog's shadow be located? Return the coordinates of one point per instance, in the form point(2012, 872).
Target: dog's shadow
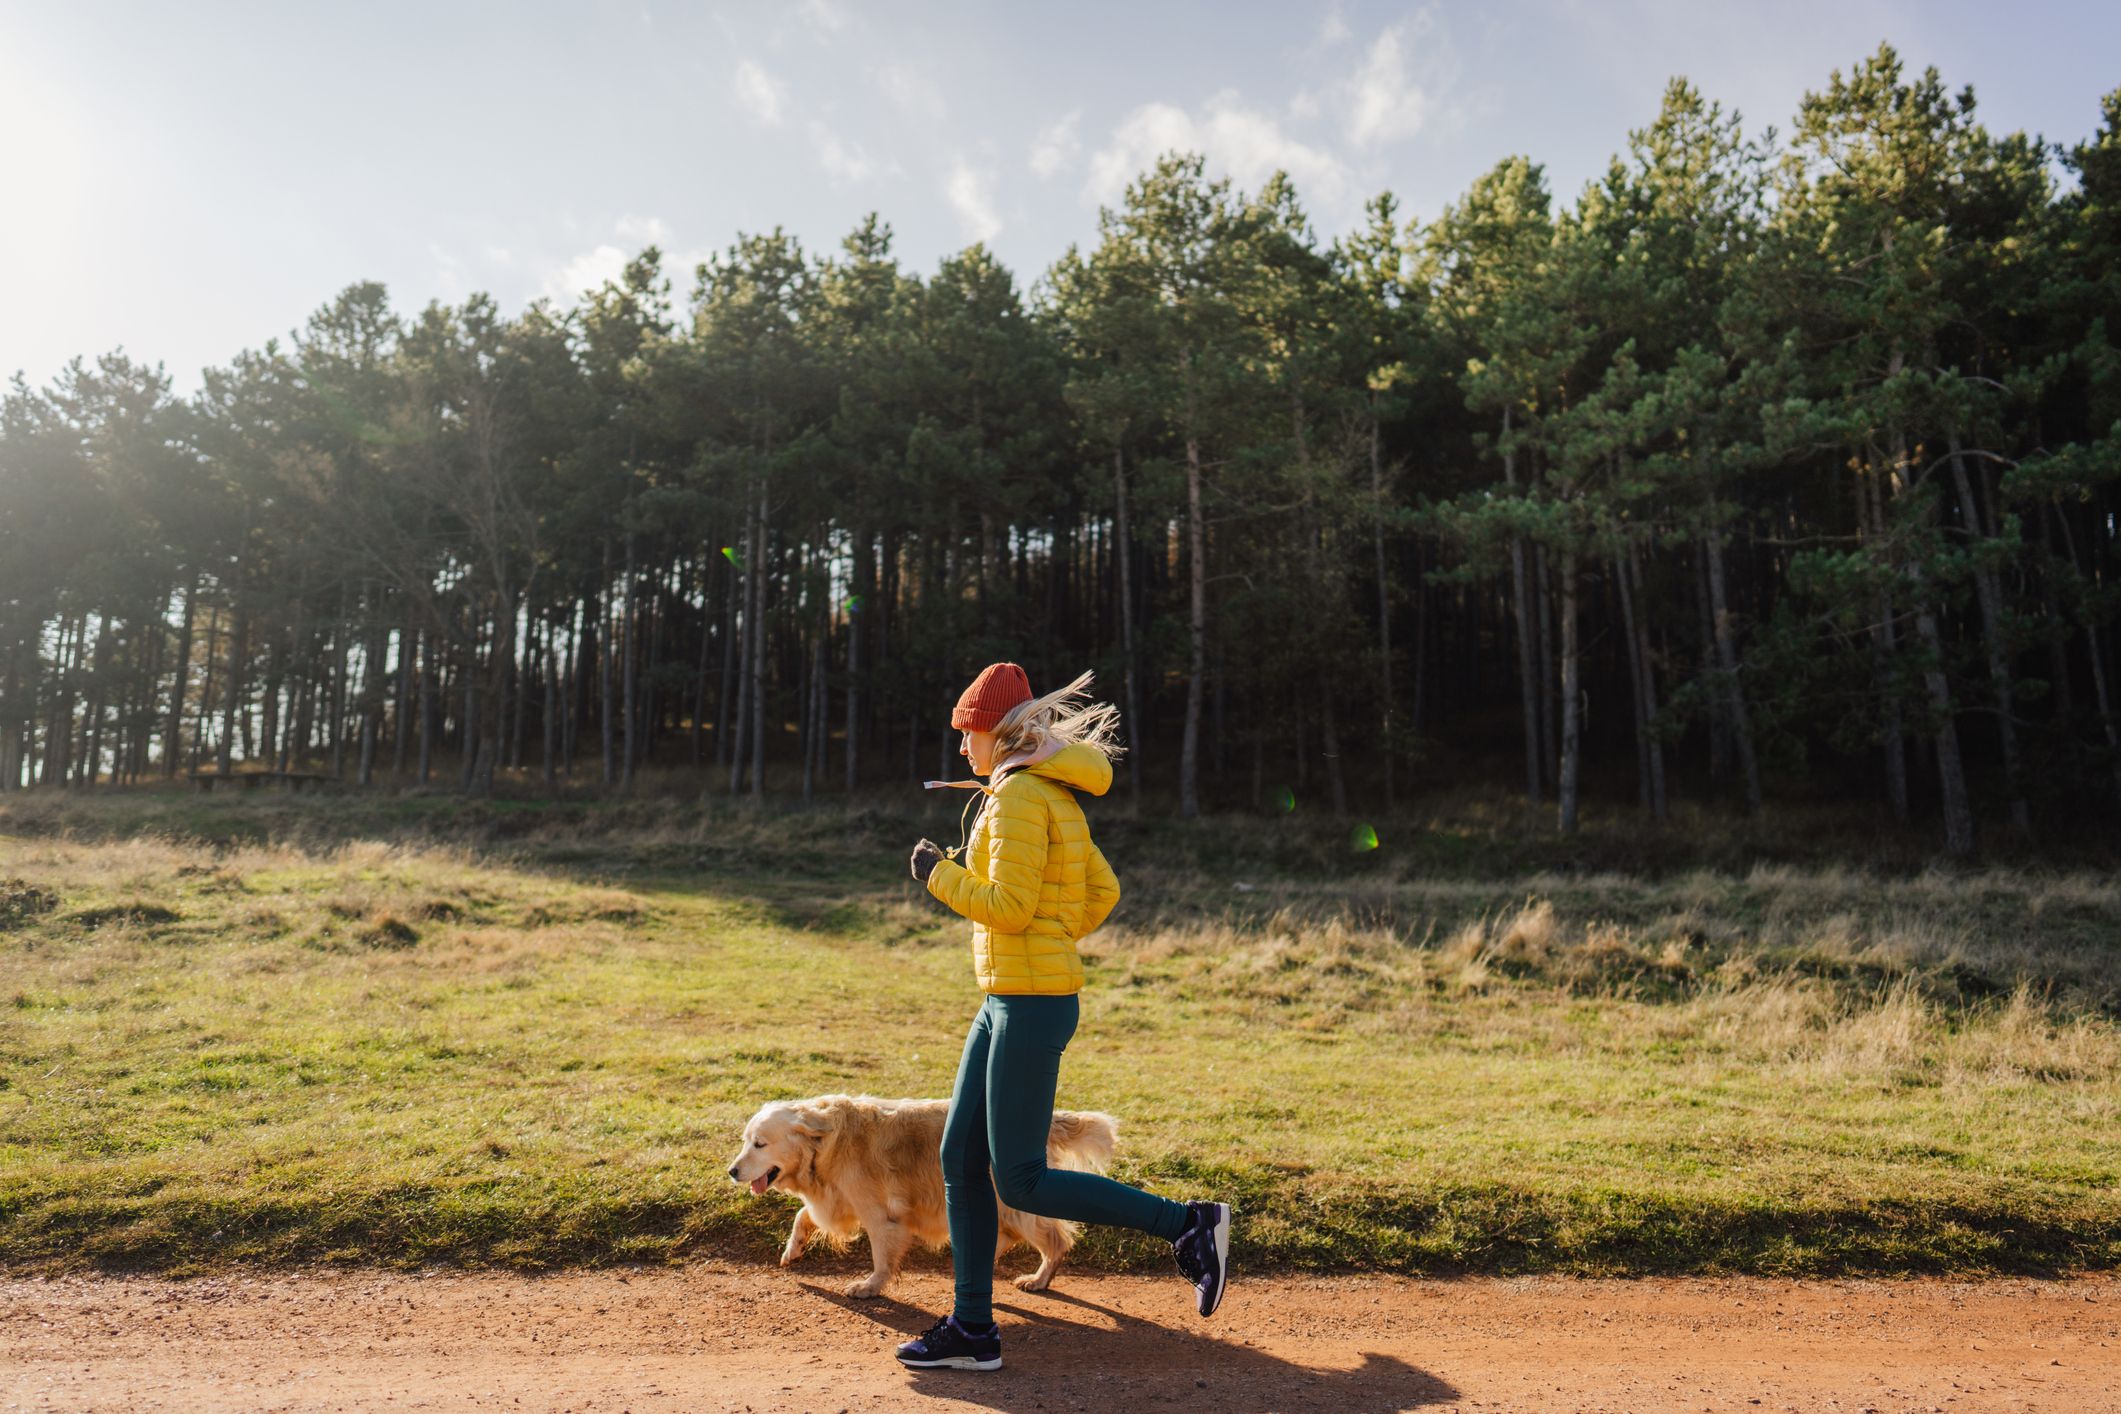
point(1051, 1356)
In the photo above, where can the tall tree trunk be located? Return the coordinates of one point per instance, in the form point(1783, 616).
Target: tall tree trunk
point(373, 650)
point(1631, 579)
point(522, 669)
point(986, 543)
point(607, 712)
point(1313, 532)
point(270, 729)
point(726, 720)
point(92, 724)
point(631, 671)
point(206, 691)
point(2058, 632)
point(1549, 665)
point(11, 749)
point(1951, 772)
point(1571, 696)
point(1720, 749)
point(1990, 595)
point(814, 701)
point(1527, 651)
point(500, 662)
point(574, 690)
point(424, 645)
point(1733, 691)
point(1388, 747)
point(549, 723)
point(1417, 699)
point(863, 584)
point(2102, 695)
point(1636, 694)
point(468, 734)
point(1124, 554)
point(339, 655)
point(1951, 775)
point(401, 686)
point(745, 632)
point(1197, 625)
point(150, 695)
point(294, 746)
point(758, 649)
point(173, 741)
point(2096, 652)
point(58, 718)
point(798, 631)
point(699, 681)
point(1884, 649)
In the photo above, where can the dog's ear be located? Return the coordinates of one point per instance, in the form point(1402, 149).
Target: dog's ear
point(812, 1124)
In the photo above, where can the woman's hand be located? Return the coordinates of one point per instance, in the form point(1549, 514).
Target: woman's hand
point(925, 856)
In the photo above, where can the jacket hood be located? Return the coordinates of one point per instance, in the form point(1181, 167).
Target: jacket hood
point(1078, 767)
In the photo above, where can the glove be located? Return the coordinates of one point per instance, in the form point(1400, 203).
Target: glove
point(925, 856)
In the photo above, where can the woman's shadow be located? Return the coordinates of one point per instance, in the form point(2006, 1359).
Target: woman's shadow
point(1056, 1362)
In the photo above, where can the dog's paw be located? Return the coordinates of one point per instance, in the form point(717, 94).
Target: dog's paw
point(789, 1256)
point(1032, 1281)
point(866, 1288)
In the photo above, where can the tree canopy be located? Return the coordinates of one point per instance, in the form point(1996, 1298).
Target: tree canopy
point(1805, 449)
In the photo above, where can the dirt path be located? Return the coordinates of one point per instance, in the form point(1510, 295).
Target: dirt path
point(713, 1337)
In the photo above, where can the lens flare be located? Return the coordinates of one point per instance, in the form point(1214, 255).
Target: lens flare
point(1284, 799)
point(729, 553)
point(854, 603)
point(1362, 838)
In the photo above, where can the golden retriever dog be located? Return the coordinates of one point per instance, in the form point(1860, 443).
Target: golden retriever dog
point(861, 1164)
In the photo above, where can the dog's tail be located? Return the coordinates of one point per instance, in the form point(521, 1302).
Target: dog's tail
point(1081, 1141)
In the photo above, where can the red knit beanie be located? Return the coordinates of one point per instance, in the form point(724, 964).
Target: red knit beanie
point(999, 687)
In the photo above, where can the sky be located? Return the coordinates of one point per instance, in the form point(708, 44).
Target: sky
point(187, 181)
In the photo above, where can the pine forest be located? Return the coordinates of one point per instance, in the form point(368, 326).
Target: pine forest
point(1773, 463)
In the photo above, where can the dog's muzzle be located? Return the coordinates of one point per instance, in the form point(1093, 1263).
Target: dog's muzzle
point(763, 1182)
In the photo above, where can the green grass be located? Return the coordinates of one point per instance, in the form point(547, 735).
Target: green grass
point(414, 1029)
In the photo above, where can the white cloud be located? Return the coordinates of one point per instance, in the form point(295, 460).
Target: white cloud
point(1334, 31)
point(1382, 104)
point(588, 271)
point(1304, 106)
point(759, 93)
point(971, 196)
point(1056, 146)
point(500, 255)
point(841, 160)
point(912, 90)
point(643, 230)
point(825, 18)
point(1247, 145)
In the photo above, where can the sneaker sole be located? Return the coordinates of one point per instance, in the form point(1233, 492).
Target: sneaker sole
point(955, 1362)
point(1222, 1257)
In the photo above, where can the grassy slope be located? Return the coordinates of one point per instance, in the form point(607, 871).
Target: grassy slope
point(539, 1049)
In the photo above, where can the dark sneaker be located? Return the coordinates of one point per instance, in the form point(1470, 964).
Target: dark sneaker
point(946, 1345)
point(1203, 1253)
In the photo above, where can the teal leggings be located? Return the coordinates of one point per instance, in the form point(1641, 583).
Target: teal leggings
point(1000, 1112)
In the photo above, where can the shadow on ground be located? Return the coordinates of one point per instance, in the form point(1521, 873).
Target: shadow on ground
point(1056, 1358)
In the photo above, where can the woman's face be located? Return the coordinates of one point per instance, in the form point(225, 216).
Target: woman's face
point(978, 748)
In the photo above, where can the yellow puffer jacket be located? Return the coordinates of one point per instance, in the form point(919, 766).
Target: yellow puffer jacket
point(1035, 882)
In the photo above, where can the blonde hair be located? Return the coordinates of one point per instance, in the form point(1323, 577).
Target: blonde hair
point(1066, 716)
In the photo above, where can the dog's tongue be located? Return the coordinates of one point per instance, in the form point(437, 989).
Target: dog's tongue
point(758, 1185)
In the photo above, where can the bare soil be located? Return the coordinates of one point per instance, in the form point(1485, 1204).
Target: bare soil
point(717, 1337)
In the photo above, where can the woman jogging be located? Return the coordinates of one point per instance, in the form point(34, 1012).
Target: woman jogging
point(1032, 883)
